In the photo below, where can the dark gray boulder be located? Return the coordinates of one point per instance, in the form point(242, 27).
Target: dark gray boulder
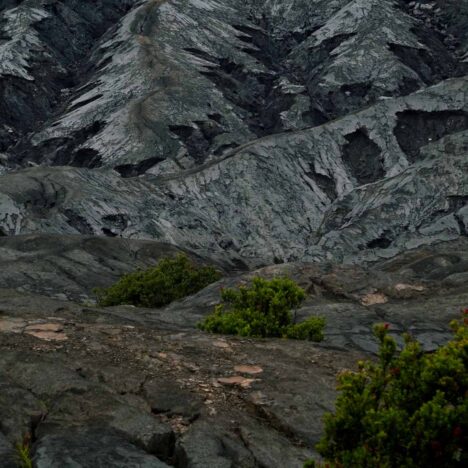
point(91, 449)
point(7, 453)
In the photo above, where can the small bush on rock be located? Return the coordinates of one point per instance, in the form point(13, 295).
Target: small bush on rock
point(264, 309)
point(310, 329)
point(171, 279)
point(409, 409)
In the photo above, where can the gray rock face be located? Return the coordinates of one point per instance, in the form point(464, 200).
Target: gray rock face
point(172, 85)
point(7, 453)
point(215, 107)
point(92, 448)
point(205, 76)
point(284, 197)
point(322, 140)
point(69, 267)
point(44, 53)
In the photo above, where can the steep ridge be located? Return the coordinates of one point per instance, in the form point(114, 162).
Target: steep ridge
point(279, 198)
point(44, 53)
point(167, 90)
point(178, 82)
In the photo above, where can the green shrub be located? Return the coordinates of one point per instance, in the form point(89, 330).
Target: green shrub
point(310, 464)
point(262, 310)
point(171, 279)
point(310, 329)
point(409, 409)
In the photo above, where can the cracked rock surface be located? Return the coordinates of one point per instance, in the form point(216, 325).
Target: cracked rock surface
point(326, 140)
point(133, 387)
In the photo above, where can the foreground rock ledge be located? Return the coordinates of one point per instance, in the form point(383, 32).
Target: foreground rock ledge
point(100, 389)
point(130, 387)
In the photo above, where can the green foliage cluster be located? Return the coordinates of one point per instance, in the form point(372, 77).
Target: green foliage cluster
point(23, 453)
point(310, 329)
point(171, 279)
point(263, 310)
point(409, 409)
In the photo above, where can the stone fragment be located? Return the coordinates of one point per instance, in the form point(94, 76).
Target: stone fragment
point(168, 398)
point(411, 287)
point(246, 369)
point(236, 380)
point(7, 453)
point(47, 331)
point(11, 325)
point(221, 344)
point(373, 299)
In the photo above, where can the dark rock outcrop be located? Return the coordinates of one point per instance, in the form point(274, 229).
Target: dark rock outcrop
point(70, 267)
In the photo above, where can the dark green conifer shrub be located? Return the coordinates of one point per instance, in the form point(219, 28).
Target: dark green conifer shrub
point(310, 329)
point(263, 309)
point(171, 279)
point(407, 410)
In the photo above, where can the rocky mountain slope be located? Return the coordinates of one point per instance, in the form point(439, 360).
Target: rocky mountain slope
point(203, 107)
point(328, 138)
